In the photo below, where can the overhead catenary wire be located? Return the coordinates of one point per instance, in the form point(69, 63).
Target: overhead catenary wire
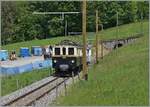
point(62, 13)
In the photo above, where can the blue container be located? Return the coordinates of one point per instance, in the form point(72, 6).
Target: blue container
point(24, 52)
point(36, 51)
point(26, 67)
point(3, 55)
point(9, 70)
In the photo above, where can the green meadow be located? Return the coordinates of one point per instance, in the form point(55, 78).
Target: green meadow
point(124, 31)
point(12, 83)
point(120, 79)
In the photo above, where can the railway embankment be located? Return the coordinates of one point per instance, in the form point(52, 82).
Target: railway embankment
point(40, 93)
point(120, 78)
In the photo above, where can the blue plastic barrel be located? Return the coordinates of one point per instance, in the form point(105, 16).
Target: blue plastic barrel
point(36, 50)
point(24, 52)
point(3, 55)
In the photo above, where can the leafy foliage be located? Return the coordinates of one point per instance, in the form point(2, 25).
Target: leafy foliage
point(20, 24)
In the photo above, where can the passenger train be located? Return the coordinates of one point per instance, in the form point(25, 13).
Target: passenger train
point(67, 57)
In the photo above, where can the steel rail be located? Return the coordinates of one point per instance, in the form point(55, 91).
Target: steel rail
point(40, 96)
point(26, 94)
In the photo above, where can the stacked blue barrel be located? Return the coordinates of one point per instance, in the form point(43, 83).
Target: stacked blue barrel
point(24, 52)
point(3, 55)
point(36, 50)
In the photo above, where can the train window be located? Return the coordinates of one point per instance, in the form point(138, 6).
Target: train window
point(71, 51)
point(57, 51)
point(64, 50)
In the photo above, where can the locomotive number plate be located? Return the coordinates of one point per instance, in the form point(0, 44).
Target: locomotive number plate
point(64, 57)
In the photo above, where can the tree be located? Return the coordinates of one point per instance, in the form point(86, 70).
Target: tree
point(8, 19)
point(20, 24)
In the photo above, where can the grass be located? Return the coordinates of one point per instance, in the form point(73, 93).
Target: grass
point(29, 44)
point(9, 83)
point(121, 78)
point(124, 83)
point(124, 31)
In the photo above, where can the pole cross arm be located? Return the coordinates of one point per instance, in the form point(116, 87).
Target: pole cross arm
point(56, 13)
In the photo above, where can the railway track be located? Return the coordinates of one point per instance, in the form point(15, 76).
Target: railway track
point(30, 96)
point(27, 96)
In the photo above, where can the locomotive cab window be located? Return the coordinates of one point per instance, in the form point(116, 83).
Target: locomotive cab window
point(71, 51)
point(64, 50)
point(57, 51)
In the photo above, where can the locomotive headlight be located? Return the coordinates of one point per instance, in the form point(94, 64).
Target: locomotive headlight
point(55, 61)
point(72, 61)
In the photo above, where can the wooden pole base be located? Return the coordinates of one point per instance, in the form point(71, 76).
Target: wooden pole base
point(86, 77)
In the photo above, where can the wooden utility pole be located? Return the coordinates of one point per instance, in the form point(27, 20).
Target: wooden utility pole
point(85, 73)
point(65, 27)
point(0, 29)
point(62, 14)
point(101, 49)
point(141, 23)
point(117, 29)
point(97, 36)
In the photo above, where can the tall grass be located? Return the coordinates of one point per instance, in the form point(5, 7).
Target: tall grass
point(121, 78)
point(17, 81)
point(118, 80)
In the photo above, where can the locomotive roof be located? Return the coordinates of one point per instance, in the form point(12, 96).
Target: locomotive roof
point(72, 43)
point(69, 43)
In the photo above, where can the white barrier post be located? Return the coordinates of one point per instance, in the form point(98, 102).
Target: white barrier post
point(17, 83)
point(65, 86)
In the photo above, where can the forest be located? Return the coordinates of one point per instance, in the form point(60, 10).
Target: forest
point(18, 23)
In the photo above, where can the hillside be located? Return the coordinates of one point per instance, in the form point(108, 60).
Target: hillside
point(124, 31)
point(121, 78)
point(10, 86)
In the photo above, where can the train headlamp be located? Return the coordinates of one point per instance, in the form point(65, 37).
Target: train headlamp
point(72, 61)
point(55, 61)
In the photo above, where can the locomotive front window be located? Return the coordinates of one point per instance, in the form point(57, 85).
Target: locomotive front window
point(64, 51)
point(57, 51)
point(71, 51)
